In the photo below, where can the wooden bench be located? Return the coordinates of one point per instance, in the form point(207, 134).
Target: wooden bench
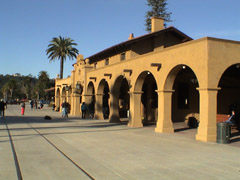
point(224, 117)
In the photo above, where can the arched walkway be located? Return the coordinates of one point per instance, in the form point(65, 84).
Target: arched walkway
point(64, 95)
point(69, 98)
point(144, 101)
point(179, 100)
point(149, 100)
point(57, 103)
point(90, 98)
point(119, 105)
point(102, 99)
point(63, 98)
point(185, 98)
point(228, 97)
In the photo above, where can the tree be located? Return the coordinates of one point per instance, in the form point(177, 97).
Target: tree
point(27, 83)
point(158, 9)
point(11, 86)
point(60, 48)
point(4, 91)
point(42, 84)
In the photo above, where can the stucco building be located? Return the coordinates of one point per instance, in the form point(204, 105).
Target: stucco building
point(159, 78)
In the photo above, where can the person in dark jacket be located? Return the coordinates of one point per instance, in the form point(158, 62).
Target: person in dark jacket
point(233, 116)
point(2, 108)
point(91, 110)
point(31, 104)
point(84, 110)
point(64, 109)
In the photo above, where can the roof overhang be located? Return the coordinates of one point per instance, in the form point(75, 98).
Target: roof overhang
point(127, 44)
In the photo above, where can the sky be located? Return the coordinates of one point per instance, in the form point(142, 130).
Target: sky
point(28, 26)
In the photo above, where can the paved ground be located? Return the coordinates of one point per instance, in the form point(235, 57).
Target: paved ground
point(94, 149)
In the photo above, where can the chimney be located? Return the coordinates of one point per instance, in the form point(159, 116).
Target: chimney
point(131, 36)
point(157, 24)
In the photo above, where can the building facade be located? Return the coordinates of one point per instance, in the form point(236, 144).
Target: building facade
point(159, 78)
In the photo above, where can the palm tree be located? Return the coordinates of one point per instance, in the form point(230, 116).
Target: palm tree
point(61, 48)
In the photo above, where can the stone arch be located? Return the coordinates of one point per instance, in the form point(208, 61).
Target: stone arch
point(220, 70)
point(64, 94)
point(69, 98)
point(228, 96)
point(90, 98)
point(58, 99)
point(90, 88)
point(119, 100)
point(101, 86)
point(183, 83)
point(69, 93)
point(140, 80)
point(146, 84)
point(102, 100)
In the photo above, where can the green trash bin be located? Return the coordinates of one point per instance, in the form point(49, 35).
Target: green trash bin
point(223, 133)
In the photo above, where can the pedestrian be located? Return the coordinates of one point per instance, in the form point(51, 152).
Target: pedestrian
point(53, 107)
point(36, 104)
point(22, 104)
point(2, 108)
point(91, 110)
point(41, 105)
point(64, 109)
point(84, 110)
point(31, 104)
point(6, 103)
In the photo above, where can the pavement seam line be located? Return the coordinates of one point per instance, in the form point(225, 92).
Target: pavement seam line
point(18, 169)
point(85, 172)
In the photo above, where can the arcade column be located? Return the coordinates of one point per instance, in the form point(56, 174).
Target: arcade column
point(114, 107)
point(208, 110)
point(164, 123)
point(135, 109)
point(98, 107)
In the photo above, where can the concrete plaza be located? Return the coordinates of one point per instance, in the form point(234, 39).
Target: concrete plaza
point(64, 148)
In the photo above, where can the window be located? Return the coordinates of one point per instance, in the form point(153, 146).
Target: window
point(123, 56)
point(183, 96)
point(106, 61)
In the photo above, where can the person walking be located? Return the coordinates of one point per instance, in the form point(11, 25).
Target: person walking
point(31, 104)
point(84, 110)
point(2, 108)
point(53, 107)
point(36, 104)
point(91, 110)
point(41, 105)
point(64, 109)
point(22, 107)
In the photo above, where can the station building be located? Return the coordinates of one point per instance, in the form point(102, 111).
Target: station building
point(159, 78)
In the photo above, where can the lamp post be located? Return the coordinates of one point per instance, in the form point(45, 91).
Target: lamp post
point(79, 87)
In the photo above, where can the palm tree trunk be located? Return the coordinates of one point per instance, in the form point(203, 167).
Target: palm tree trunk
point(61, 68)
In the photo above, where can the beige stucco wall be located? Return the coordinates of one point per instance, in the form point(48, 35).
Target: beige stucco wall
point(222, 54)
point(187, 54)
point(207, 57)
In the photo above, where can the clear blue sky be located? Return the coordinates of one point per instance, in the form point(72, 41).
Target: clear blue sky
point(27, 26)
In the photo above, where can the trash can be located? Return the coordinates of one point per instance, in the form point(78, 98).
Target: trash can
point(223, 133)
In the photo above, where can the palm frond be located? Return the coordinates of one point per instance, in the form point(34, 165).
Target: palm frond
point(60, 48)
